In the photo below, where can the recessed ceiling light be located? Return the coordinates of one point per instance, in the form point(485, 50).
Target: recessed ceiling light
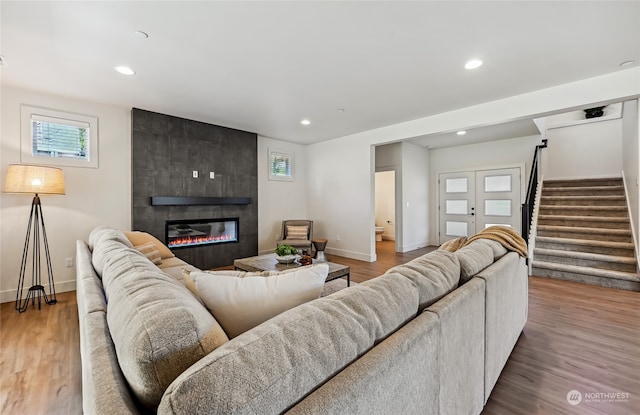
point(461, 132)
point(125, 70)
point(340, 109)
point(627, 63)
point(473, 64)
point(305, 122)
point(141, 34)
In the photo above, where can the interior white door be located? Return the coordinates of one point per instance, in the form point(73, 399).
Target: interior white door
point(473, 200)
point(457, 205)
point(498, 198)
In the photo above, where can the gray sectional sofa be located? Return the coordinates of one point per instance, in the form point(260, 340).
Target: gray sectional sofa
point(428, 337)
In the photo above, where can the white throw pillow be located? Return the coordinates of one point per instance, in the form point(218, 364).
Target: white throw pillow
point(240, 304)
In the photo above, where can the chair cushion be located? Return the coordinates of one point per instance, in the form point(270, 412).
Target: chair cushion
point(240, 304)
point(297, 232)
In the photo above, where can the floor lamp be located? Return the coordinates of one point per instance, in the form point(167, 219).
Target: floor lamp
point(37, 180)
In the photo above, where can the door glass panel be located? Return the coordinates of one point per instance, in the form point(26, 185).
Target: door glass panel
point(457, 185)
point(456, 229)
point(487, 225)
point(497, 207)
point(497, 183)
point(456, 207)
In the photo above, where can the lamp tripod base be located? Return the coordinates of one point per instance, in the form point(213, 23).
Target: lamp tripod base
point(36, 292)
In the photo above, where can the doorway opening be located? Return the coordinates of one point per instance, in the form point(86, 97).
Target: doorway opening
point(385, 208)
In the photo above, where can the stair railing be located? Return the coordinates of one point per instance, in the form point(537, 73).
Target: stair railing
point(529, 203)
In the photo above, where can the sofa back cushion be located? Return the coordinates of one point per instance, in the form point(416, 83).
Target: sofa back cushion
point(474, 257)
point(436, 274)
point(104, 232)
point(274, 365)
point(240, 304)
point(158, 327)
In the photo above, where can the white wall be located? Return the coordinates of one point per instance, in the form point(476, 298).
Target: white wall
point(584, 151)
point(280, 200)
point(631, 164)
point(93, 197)
point(341, 196)
point(415, 197)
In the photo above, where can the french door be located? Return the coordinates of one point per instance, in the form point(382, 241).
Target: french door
point(470, 201)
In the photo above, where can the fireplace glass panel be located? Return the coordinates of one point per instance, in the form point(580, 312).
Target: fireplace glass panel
point(188, 233)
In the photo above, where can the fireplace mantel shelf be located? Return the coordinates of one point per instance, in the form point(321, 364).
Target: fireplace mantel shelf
point(198, 200)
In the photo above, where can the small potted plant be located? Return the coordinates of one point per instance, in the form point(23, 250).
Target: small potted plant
point(286, 254)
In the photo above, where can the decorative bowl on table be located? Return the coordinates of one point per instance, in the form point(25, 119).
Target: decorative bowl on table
point(286, 259)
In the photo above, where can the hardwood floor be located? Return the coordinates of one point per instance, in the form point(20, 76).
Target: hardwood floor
point(578, 337)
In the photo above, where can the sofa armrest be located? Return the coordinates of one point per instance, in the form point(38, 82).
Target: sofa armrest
point(462, 348)
point(104, 389)
point(507, 293)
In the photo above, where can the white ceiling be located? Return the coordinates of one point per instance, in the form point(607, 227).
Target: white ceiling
point(263, 66)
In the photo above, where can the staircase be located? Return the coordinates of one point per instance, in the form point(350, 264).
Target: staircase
point(584, 234)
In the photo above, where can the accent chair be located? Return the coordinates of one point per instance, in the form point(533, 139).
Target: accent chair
point(297, 233)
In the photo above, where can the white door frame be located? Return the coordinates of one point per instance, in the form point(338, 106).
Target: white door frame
point(398, 200)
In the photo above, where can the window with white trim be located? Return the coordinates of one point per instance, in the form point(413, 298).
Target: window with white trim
point(58, 138)
point(280, 166)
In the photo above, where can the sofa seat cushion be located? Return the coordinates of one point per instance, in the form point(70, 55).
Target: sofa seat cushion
point(436, 274)
point(240, 304)
point(158, 327)
point(272, 366)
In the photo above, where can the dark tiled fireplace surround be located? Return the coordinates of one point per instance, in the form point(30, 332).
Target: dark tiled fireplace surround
point(165, 152)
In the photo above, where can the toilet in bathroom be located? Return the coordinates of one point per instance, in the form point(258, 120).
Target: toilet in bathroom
point(379, 232)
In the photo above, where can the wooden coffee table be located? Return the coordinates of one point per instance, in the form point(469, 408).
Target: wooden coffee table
point(269, 262)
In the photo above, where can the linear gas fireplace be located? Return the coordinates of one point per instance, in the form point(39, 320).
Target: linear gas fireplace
point(197, 232)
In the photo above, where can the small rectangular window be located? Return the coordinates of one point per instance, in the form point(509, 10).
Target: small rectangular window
point(280, 166)
point(58, 138)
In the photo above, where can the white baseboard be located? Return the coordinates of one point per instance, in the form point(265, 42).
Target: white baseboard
point(350, 254)
point(413, 247)
point(61, 287)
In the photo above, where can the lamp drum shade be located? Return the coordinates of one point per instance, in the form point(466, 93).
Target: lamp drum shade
point(23, 178)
